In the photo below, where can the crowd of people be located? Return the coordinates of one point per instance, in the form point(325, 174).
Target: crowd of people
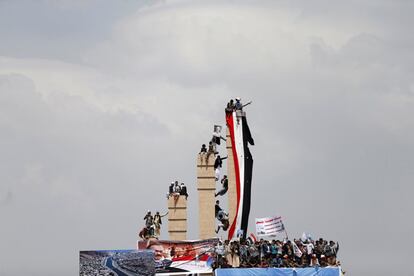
point(297, 253)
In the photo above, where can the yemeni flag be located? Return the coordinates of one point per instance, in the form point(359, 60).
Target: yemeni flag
point(243, 164)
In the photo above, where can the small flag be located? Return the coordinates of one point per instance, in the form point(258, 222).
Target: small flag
point(253, 237)
point(296, 250)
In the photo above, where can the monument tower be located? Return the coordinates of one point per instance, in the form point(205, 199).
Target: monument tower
point(177, 217)
point(206, 186)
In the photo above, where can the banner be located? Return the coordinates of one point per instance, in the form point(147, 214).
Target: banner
point(296, 250)
point(116, 262)
point(269, 226)
point(181, 256)
point(240, 138)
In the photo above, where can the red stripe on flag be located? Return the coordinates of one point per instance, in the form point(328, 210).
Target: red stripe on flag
point(230, 124)
point(253, 237)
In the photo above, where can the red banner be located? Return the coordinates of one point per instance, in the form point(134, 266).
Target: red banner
point(181, 256)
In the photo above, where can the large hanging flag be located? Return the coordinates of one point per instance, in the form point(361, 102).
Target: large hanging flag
point(269, 226)
point(243, 164)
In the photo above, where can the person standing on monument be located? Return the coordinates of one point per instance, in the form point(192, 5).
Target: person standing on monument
point(158, 222)
point(149, 221)
point(238, 104)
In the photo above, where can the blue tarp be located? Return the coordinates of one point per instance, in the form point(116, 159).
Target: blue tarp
point(309, 271)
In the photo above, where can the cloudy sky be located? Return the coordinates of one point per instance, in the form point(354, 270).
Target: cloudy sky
point(103, 103)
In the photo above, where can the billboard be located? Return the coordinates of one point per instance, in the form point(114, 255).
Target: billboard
point(116, 262)
point(181, 256)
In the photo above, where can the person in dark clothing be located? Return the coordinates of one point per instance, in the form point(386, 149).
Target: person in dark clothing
point(183, 190)
point(149, 222)
point(171, 189)
point(177, 188)
point(224, 221)
point(218, 163)
point(230, 106)
point(217, 208)
point(203, 148)
point(225, 183)
point(287, 249)
point(238, 105)
point(210, 147)
point(143, 234)
point(148, 219)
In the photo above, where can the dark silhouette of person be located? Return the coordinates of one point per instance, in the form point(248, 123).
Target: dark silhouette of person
point(183, 190)
point(217, 208)
point(203, 148)
point(225, 183)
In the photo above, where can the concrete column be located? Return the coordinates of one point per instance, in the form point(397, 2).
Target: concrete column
point(231, 175)
point(206, 186)
point(177, 218)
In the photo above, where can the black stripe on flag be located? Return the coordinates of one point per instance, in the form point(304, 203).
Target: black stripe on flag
point(248, 171)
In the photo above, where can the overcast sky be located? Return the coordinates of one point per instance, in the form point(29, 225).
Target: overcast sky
point(104, 103)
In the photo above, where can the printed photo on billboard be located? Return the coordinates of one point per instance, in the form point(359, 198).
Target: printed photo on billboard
point(116, 262)
point(181, 256)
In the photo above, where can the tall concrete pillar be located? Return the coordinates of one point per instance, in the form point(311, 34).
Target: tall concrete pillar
point(177, 218)
point(231, 175)
point(206, 186)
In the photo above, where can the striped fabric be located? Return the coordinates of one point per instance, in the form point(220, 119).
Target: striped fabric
point(243, 164)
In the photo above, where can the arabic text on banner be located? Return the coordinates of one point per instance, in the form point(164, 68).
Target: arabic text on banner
point(269, 226)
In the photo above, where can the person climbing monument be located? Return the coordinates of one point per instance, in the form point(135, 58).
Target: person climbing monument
point(230, 106)
point(217, 135)
point(171, 189)
point(211, 149)
point(225, 183)
point(218, 163)
point(217, 208)
point(223, 219)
